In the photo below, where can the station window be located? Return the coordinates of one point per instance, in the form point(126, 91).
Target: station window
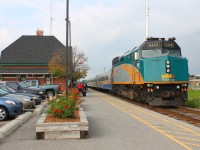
point(23, 78)
point(33, 83)
point(47, 79)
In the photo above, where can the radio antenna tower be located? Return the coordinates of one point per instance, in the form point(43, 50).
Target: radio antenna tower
point(51, 18)
point(147, 17)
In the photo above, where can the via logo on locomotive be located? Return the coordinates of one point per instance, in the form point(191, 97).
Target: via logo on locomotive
point(155, 73)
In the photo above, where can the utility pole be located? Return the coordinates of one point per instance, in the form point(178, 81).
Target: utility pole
point(147, 17)
point(67, 54)
point(70, 56)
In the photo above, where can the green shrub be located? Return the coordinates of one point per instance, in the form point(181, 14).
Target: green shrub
point(62, 107)
point(193, 99)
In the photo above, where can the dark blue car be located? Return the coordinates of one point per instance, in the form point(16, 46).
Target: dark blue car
point(9, 107)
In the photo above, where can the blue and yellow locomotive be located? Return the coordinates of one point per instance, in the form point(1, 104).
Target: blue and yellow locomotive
point(155, 73)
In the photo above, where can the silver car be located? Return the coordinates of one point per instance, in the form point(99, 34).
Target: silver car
point(27, 101)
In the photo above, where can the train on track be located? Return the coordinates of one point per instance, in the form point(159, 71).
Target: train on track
point(154, 73)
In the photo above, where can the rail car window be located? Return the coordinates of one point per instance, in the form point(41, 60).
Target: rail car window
point(115, 60)
point(103, 78)
point(158, 52)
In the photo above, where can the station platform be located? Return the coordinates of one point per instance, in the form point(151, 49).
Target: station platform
point(113, 125)
point(131, 127)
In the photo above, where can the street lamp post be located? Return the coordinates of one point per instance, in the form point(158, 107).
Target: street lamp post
point(67, 20)
point(70, 56)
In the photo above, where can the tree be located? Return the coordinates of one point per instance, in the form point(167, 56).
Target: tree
point(78, 70)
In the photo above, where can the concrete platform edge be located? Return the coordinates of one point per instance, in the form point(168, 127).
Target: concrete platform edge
point(14, 124)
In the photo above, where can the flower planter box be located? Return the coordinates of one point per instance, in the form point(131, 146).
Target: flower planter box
point(62, 130)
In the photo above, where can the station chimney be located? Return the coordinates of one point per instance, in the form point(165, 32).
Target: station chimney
point(39, 32)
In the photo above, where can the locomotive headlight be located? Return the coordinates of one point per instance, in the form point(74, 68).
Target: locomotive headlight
point(178, 86)
point(157, 87)
point(168, 70)
point(168, 66)
point(167, 62)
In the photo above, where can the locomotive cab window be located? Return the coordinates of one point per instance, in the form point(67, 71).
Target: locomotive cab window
point(171, 52)
point(160, 52)
point(151, 53)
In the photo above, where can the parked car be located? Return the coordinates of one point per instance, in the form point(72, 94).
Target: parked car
point(9, 107)
point(21, 88)
point(36, 98)
point(27, 101)
point(48, 89)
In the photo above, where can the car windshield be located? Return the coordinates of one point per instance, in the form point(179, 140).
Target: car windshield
point(5, 89)
point(10, 89)
point(23, 85)
point(26, 83)
point(2, 92)
point(159, 52)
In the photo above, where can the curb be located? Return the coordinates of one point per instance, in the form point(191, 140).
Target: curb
point(39, 108)
point(23, 118)
point(14, 124)
point(8, 128)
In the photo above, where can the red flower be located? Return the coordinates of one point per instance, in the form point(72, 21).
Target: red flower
point(59, 111)
point(65, 106)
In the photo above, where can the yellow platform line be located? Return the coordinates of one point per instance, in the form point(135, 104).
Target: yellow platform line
point(160, 127)
point(158, 117)
point(181, 133)
point(193, 144)
point(186, 138)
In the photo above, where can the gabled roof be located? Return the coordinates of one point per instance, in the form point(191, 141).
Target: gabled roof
point(31, 49)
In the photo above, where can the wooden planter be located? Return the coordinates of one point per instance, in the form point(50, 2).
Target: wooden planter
point(62, 130)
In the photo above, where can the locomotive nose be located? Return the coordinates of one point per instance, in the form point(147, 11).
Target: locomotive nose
point(166, 68)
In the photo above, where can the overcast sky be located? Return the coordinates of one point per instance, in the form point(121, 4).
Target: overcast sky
point(104, 29)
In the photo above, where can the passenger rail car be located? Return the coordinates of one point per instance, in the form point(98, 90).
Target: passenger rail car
point(155, 73)
point(104, 81)
point(92, 82)
point(101, 81)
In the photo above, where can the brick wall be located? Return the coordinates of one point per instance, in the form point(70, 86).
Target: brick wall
point(60, 81)
point(9, 79)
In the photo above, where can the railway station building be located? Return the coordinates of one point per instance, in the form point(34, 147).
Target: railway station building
point(27, 58)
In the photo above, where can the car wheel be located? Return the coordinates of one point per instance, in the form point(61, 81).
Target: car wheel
point(50, 93)
point(3, 113)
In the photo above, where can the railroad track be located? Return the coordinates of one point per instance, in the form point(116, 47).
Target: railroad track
point(184, 114)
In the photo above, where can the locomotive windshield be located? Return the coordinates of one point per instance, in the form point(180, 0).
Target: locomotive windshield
point(159, 52)
point(159, 47)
